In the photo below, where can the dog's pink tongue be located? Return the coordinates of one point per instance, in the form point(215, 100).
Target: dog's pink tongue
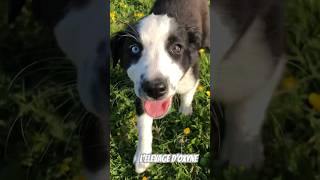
point(157, 109)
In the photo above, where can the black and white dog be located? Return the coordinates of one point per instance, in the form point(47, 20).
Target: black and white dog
point(248, 61)
point(160, 54)
point(81, 30)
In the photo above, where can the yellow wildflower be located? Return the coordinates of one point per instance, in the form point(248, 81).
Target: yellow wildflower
point(144, 178)
point(138, 15)
point(113, 16)
point(201, 50)
point(289, 83)
point(64, 168)
point(123, 5)
point(200, 87)
point(186, 131)
point(314, 101)
point(208, 93)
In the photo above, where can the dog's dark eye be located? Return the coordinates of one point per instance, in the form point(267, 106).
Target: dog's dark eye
point(135, 49)
point(176, 49)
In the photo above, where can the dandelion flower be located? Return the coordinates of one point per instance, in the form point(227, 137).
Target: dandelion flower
point(200, 88)
point(201, 50)
point(314, 101)
point(144, 178)
point(186, 131)
point(138, 15)
point(289, 83)
point(123, 5)
point(113, 16)
point(64, 168)
point(208, 93)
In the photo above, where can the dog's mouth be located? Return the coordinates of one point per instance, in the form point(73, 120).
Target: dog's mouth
point(157, 108)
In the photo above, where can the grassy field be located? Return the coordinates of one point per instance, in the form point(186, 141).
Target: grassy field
point(171, 134)
point(41, 119)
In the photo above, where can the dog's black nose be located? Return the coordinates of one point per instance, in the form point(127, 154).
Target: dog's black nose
point(155, 88)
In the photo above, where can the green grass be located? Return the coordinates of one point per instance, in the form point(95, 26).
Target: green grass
point(168, 132)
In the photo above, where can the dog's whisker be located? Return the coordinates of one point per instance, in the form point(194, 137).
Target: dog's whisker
point(27, 67)
point(23, 134)
point(130, 26)
point(62, 103)
point(46, 78)
point(44, 153)
point(84, 113)
point(8, 136)
point(129, 35)
point(62, 85)
point(65, 118)
point(120, 83)
point(60, 92)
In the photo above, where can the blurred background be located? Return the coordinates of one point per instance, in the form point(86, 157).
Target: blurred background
point(41, 118)
point(292, 127)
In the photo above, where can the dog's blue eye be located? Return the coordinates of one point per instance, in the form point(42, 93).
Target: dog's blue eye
point(135, 49)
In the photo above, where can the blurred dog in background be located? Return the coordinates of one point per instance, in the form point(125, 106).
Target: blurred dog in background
point(248, 61)
point(81, 31)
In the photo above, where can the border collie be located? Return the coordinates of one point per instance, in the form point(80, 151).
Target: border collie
point(160, 53)
point(81, 30)
point(248, 61)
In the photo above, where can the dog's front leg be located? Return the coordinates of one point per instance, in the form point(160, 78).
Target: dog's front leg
point(242, 145)
point(145, 138)
point(144, 142)
point(186, 100)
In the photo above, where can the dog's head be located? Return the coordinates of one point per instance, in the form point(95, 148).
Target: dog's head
point(156, 52)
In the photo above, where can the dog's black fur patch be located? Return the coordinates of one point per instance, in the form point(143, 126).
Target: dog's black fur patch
point(240, 14)
point(120, 48)
point(189, 13)
point(139, 107)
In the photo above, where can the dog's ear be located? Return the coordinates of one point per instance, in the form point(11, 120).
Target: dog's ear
point(199, 40)
point(205, 28)
point(206, 35)
point(14, 9)
point(195, 38)
point(116, 45)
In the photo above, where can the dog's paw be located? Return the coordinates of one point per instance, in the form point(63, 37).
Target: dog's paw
point(140, 167)
point(186, 110)
point(247, 154)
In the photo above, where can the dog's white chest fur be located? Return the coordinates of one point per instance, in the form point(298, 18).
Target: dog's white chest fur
point(250, 57)
point(186, 83)
point(245, 74)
